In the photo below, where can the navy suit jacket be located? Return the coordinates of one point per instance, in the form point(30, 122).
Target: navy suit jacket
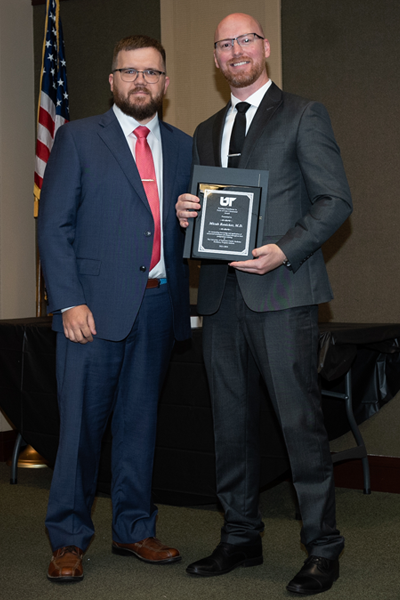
point(95, 226)
point(308, 199)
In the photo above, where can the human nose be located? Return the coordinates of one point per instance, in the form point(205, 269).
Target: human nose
point(236, 49)
point(140, 73)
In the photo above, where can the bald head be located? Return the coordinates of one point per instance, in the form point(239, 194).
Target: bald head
point(239, 22)
point(242, 61)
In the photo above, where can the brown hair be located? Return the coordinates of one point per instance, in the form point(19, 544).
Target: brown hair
point(134, 42)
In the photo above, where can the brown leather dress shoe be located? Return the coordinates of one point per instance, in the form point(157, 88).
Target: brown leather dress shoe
point(66, 565)
point(151, 550)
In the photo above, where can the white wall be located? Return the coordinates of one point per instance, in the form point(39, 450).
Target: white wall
point(17, 149)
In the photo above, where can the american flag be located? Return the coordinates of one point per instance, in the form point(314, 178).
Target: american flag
point(53, 106)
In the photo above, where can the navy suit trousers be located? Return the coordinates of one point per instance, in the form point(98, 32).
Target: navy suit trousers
point(96, 380)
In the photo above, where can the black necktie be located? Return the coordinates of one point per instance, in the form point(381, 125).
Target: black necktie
point(238, 135)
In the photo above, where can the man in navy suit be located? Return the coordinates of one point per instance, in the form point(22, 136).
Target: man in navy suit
point(266, 308)
point(111, 250)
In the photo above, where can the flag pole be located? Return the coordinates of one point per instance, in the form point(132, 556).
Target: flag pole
point(40, 308)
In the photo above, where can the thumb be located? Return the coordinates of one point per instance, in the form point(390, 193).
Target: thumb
point(91, 323)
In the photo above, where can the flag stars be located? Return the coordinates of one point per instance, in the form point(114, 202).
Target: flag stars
point(65, 96)
point(48, 44)
point(63, 63)
point(60, 82)
point(50, 57)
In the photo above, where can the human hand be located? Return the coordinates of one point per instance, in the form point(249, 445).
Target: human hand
point(79, 324)
point(266, 258)
point(186, 208)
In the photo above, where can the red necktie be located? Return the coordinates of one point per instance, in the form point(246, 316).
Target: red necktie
point(145, 165)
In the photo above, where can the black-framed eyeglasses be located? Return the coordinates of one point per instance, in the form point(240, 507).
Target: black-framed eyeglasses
point(150, 75)
point(244, 41)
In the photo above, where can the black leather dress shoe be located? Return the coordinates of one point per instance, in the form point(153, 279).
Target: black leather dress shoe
point(316, 575)
point(225, 558)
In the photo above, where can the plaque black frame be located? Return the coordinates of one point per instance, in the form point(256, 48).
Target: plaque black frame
point(238, 178)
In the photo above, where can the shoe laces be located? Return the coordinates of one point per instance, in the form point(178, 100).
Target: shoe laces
point(323, 564)
point(69, 550)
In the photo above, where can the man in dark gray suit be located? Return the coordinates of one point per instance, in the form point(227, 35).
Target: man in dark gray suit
point(267, 307)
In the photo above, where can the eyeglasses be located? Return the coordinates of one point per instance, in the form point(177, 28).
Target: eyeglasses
point(244, 41)
point(149, 75)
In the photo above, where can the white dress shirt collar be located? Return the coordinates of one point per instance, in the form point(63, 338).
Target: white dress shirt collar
point(254, 100)
point(128, 124)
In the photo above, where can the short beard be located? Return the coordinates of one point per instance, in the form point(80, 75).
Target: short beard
point(242, 80)
point(140, 112)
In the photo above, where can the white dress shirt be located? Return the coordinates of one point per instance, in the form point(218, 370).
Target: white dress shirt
point(128, 124)
point(254, 100)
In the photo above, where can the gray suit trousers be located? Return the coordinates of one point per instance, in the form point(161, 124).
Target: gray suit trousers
point(284, 345)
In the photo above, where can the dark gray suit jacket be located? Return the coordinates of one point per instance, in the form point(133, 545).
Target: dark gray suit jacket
point(308, 199)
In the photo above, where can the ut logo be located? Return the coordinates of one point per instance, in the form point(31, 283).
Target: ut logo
point(226, 201)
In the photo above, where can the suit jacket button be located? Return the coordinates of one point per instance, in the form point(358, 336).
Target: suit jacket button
point(147, 233)
point(142, 268)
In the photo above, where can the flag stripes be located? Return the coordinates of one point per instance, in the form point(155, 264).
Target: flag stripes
point(53, 106)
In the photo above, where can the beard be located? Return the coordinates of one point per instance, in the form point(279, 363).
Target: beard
point(241, 80)
point(139, 108)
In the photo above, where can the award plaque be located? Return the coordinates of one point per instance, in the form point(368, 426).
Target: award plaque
point(231, 221)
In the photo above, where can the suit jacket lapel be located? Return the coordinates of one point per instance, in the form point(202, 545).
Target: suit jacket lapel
point(113, 136)
point(170, 161)
point(217, 131)
point(269, 105)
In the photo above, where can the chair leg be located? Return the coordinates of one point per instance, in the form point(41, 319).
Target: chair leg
point(356, 433)
point(14, 460)
point(367, 483)
point(360, 450)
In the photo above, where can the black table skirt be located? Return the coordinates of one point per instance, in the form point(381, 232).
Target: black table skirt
point(184, 471)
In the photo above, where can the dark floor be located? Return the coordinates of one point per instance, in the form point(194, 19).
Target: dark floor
point(369, 565)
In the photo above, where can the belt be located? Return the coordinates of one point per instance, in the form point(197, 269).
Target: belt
point(155, 283)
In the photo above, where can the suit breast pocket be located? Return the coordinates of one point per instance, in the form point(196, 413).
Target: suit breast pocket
point(88, 266)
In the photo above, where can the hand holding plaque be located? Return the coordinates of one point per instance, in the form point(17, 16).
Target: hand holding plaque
point(231, 221)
